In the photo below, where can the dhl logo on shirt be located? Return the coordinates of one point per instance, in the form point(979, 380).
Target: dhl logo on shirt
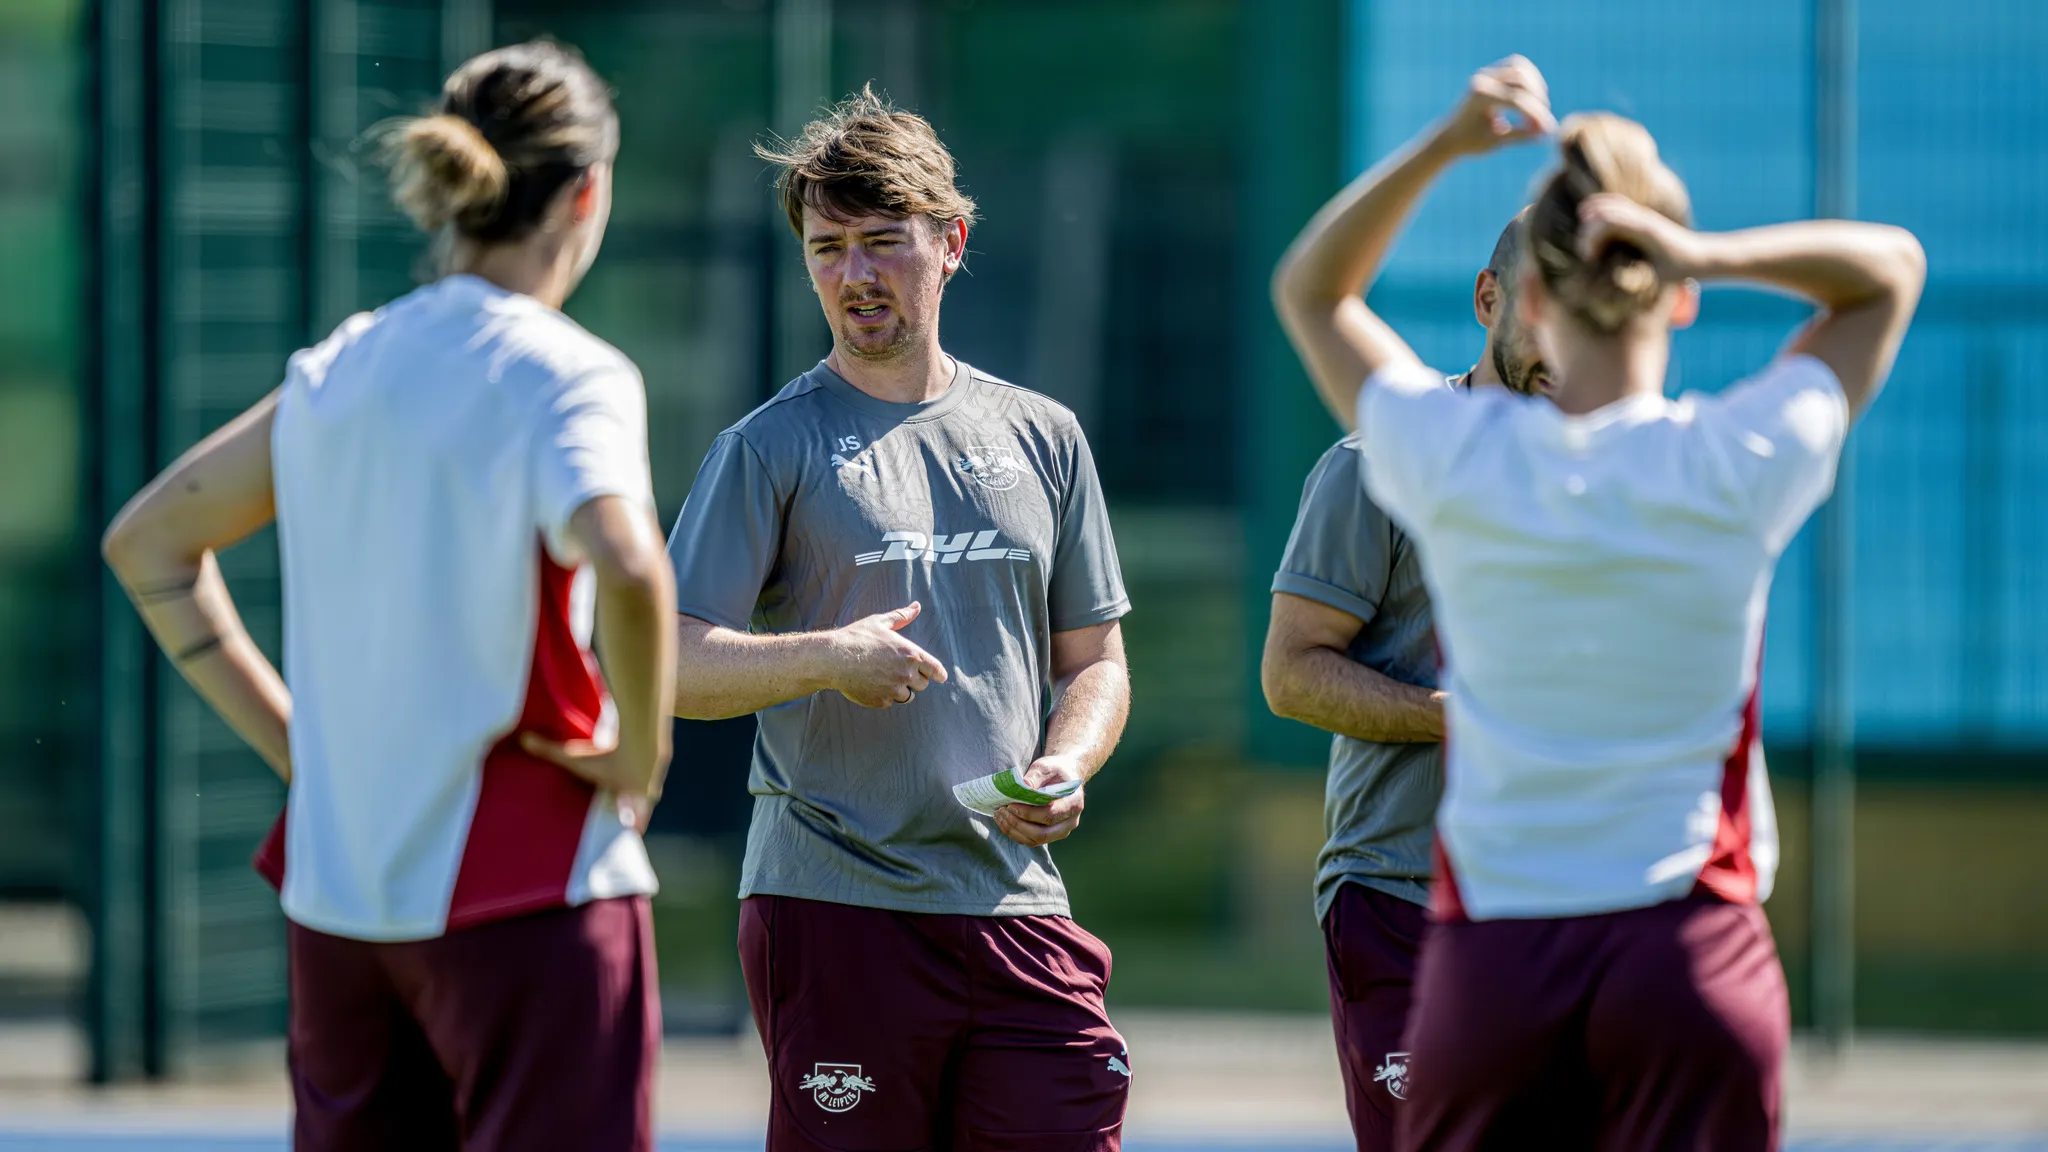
point(942, 548)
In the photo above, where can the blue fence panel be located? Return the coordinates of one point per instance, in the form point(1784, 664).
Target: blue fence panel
point(1951, 639)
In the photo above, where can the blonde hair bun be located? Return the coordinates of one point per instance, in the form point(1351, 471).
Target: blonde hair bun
point(444, 172)
point(1602, 152)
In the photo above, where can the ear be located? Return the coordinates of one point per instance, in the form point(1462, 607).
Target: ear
point(954, 234)
point(1486, 298)
point(1686, 308)
point(584, 200)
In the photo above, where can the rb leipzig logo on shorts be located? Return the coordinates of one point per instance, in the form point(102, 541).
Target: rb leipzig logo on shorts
point(1394, 1074)
point(836, 1087)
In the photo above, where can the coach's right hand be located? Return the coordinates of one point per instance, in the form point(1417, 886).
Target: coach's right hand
point(876, 667)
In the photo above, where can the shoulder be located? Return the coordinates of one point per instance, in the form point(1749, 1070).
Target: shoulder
point(1336, 486)
point(1344, 454)
point(557, 347)
point(1797, 394)
point(1406, 403)
point(1034, 408)
point(780, 434)
point(793, 410)
point(1340, 468)
point(311, 364)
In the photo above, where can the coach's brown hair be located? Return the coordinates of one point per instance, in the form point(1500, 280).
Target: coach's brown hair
point(864, 157)
point(1601, 152)
point(513, 127)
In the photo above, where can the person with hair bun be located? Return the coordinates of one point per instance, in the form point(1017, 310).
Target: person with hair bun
point(1599, 974)
point(458, 479)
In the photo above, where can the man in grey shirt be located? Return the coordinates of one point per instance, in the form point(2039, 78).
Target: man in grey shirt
point(904, 566)
point(1351, 649)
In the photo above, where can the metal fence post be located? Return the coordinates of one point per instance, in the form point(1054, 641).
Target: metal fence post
point(123, 996)
point(1292, 128)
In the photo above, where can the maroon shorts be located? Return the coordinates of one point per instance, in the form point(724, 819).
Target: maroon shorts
point(536, 1032)
point(1654, 1030)
point(902, 1032)
point(1371, 940)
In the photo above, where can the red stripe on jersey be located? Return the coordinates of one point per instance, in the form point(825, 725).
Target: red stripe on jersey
point(529, 813)
point(1730, 871)
point(269, 861)
point(528, 823)
point(1445, 905)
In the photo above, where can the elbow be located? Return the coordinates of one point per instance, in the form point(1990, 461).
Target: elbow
point(1278, 684)
point(127, 546)
point(1288, 290)
point(1898, 265)
point(1281, 287)
point(1910, 260)
point(117, 545)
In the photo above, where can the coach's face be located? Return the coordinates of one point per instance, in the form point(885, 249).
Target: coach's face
point(879, 278)
point(1516, 358)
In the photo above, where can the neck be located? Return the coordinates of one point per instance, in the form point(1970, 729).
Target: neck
point(919, 373)
point(542, 271)
point(1600, 370)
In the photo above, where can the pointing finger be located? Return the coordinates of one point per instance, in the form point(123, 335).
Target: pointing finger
point(928, 664)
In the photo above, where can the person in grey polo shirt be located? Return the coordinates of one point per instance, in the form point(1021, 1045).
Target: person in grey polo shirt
point(904, 566)
point(1351, 649)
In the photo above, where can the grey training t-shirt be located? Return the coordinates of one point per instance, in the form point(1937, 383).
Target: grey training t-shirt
point(826, 505)
point(1379, 807)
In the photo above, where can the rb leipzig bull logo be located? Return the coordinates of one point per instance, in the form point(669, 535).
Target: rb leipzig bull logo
point(1394, 1074)
point(993, 467)
point(836, 1087)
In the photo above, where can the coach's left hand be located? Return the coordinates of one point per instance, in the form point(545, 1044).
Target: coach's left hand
point(1034, 825)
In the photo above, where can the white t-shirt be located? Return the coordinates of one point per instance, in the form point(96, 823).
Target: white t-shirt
point(427, 459)
point(1599, 584)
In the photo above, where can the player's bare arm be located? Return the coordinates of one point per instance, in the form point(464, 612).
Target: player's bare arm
point(636, 595)
point(1091, 701)
point(1308, 676)
point(161, 548)
point(1865, 278)
point(1319, 284)
point(723, 672)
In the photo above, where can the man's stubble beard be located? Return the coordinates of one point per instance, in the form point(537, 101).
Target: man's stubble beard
point(1518, 377)
point(909, 335)
point(1504, 369)
point(905, 338)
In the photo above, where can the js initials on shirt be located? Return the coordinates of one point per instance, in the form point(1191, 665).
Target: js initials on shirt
point(942, 548)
